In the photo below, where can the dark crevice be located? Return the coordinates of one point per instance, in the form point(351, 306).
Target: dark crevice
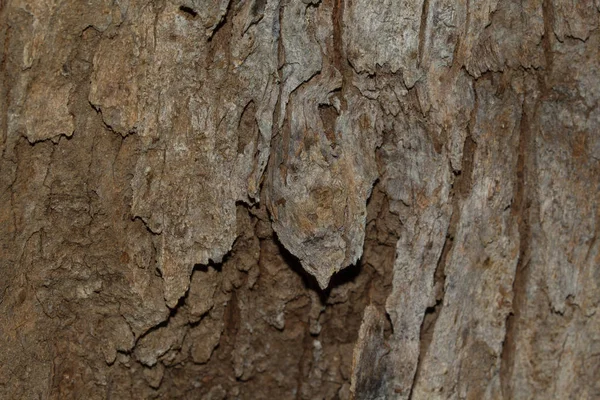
point(520, 209)
point(463, 181)
point(232, 321)
point(382, 233)
point(228, 15)
point(181, 303)
point(423, 30)
point(547, 38)
point(172, 313)
point(329, 116)
point(344, 276)
point(340, 60)
point(107, 125)
point(188, 11)
point(216, 266)
point(248, 128)
point(146, 225)
point(461, 188)
point(294, 263)
point(258, 8)
point(433, 312)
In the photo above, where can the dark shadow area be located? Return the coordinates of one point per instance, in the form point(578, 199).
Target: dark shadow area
point(190, 12)
point(216, 266)
point(346, 275)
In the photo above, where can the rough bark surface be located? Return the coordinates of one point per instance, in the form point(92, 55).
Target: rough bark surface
point(300, 199)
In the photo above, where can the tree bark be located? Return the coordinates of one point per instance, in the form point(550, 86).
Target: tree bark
point(285, 199)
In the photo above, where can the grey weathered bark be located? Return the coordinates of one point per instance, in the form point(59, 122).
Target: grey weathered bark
point(316, 199)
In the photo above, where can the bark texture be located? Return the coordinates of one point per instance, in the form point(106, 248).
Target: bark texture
point(300, 199)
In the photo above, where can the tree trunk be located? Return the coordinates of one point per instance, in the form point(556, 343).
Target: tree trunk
point(285, 199)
